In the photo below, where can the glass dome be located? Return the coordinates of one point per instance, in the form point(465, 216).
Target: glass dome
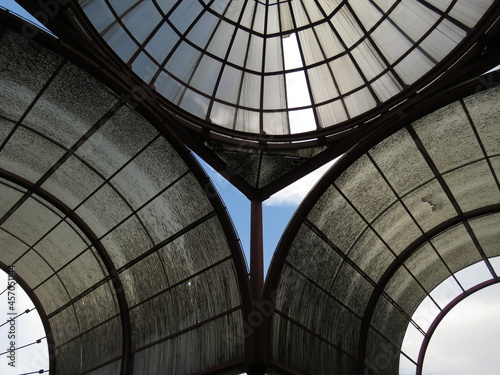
point(282, 67)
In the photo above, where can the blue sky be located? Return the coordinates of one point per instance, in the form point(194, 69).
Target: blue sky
point(474, 322)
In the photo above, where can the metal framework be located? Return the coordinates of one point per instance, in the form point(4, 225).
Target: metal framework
point(147, 232)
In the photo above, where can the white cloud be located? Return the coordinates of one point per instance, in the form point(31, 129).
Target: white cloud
point(295, 193)
point(466, 341)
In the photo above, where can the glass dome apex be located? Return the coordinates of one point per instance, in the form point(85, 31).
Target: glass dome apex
point(281, 67)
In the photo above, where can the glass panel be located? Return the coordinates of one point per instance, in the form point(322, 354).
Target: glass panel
point(239, 48)
point(185, 14)
point(367, 12)
point(302, 120)
point(386, 87)
point(333, 208)
point(484, 111)
point(363, 185)
point(322, 85)
point(72, 182)
point(195, 103)
point(371, 255)
point(52, 294)
point(400, 236)
point(425, 314)
point(250, 91)
point(223, 115)
point(427, 267)
point(390, 41)
point(448, 137)
point(162, 42)
point(189, 57)
point(96, 307)
point(274, 55)
point(62, 112)
point(312, 256)
point(455, 241)
point(206, 75)
point(486, 231)
point(173, 210)
point(144, 67)
point(134, 20)
point(203, 30)
point(404, 291)
point(254, 59)
point(331, 113)
point(120, 6)
point(10, 195)
point(229, 84)
point(31, 221)
point(120, 42)
point(216, 342)
point(413, 66)
point(286, 22)
point(473, 275)
point(368, 59)
point(445, 292)
point(414, 19)
point(64, 325)
point(346, 74)
point(117, 141)
point(347, 27)
point(101, 344)
point(88, 270)
point(329, 41)
point(127, 242)
point(150, 172)
point(314, 13)
point(222, 40)
point(470, 12)
point(359, 102)
point(11, 247)
point(473, 186)
point(442, 40)
point(276, 123)
point(273, 20)
point(103, 210)
point(61, 245)
point(29, 155)
point(32, 268)
point(429, 205)
point(395, 156)
point(169, 87)
point(259, 18)
point(247, 121)
point(299, 13)
point(187, 254)
point(137, 286)
point(99, 13)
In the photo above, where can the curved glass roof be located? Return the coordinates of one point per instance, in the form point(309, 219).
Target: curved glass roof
point(109, 227)
point(282, 67)
point(379, 232)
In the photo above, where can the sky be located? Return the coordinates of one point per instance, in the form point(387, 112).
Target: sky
point(464, 343)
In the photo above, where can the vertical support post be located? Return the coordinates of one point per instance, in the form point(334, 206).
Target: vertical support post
point(256, 249)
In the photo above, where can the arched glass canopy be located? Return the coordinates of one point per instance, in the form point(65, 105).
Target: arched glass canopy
point(379, 232)
point(282, 67)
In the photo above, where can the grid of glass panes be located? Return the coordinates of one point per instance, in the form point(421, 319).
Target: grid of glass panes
point(281, 67)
